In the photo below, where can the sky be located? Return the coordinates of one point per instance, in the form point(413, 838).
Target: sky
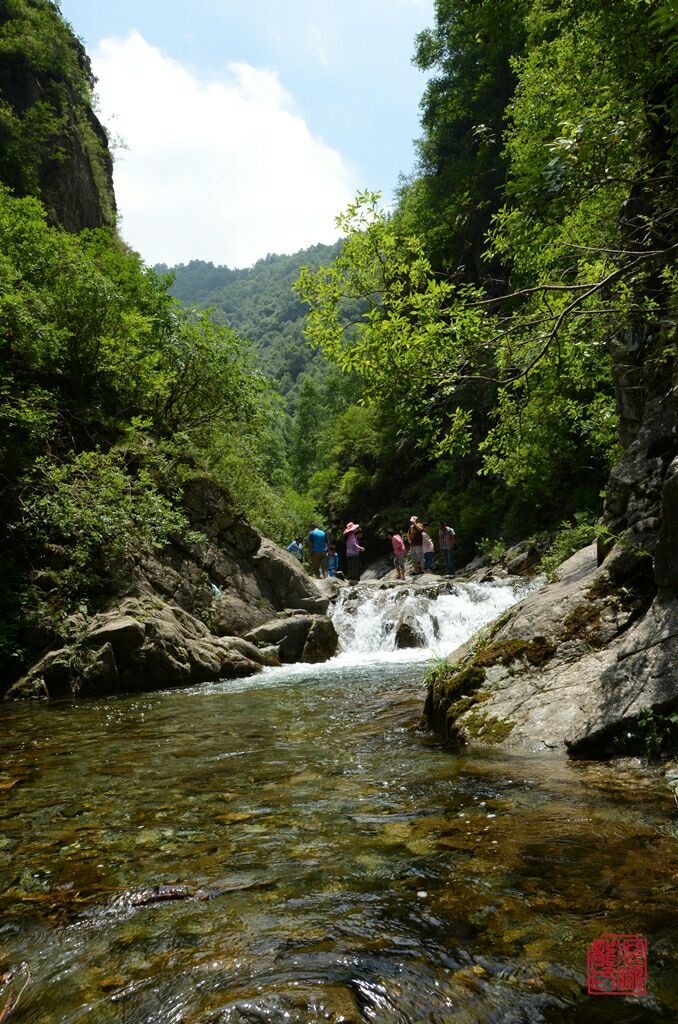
point(243, 127)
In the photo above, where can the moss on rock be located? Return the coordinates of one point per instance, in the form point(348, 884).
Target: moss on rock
point(582, 623)
point(537, 651)
point(487, 728)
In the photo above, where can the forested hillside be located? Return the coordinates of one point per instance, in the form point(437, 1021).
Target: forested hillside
point(260, 304)
point(485, 351)
point(519, 303)
point(477, 334)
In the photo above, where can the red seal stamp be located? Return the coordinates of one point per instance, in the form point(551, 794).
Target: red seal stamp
point(616, 965)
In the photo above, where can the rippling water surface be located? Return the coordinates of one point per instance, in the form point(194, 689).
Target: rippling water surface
point(290, 848)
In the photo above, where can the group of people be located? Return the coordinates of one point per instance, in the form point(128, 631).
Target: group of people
point(323, 554)
point(422, 548)
point(324, 557)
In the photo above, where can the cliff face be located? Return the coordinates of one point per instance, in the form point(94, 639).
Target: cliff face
point(52, 145)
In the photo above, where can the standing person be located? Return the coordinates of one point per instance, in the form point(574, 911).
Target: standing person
point(415, 541)
point(399, 549)
point(332, 560)
point(317, 540)
point(447, 541)
point(427, 548)
point(296, 548)
point(353, 550)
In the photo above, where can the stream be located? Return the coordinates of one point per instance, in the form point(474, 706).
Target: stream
point(294, 848)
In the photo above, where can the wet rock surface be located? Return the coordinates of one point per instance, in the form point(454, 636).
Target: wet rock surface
point(409, 633)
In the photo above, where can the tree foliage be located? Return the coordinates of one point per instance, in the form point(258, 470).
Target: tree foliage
point(111, 395)
point(506, 358)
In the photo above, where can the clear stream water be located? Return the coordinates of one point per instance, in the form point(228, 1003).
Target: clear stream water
point(334, 862)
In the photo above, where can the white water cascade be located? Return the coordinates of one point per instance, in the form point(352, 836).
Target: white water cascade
point(367, 617)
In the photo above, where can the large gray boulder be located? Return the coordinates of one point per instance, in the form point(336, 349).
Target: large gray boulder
point(568, 669)
point(284, 581)
point(310, 638)
point(140, 645)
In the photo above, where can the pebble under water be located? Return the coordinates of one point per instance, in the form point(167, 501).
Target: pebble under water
point(291, 848)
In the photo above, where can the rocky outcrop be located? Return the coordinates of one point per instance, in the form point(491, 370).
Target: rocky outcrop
point(569, 668)
point(580, 664)
point(183, 616)
point(54, 146)
point(309, 638)
point(141, 644)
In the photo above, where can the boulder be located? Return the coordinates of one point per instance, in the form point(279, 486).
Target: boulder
point(322, 641)
point(331, 586)
point(298, 637)
point(566, 669)
point(409, 633)
point(522, 558)
point(285, 582)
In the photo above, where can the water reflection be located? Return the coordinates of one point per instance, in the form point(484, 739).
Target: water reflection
point(321, 860)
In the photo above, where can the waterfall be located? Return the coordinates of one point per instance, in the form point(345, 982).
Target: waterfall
point(437, 616)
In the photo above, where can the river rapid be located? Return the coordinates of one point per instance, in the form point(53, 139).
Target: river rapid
point(293, 847)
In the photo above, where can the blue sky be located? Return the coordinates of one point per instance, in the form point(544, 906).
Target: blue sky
point(248, 125)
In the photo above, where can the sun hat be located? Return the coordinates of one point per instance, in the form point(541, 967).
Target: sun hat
point(350, 527)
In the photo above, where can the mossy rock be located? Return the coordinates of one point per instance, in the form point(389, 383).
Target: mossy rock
point(582, 623)
point(487, 728)
point(537, 651)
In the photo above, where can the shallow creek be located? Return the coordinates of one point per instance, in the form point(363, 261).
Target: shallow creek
point(324, 860)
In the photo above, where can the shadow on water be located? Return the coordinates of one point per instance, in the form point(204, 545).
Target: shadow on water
point(291, 848)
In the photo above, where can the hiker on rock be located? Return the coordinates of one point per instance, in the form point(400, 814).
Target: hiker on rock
point(317, 540)
point(414, 539)
point(399, 552)
point(332, 560)
point(353, 533)
point(427, 548)
point(296, 548)
point(447, 542)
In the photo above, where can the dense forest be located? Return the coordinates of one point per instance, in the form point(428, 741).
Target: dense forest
point(480, 352)
point(259, 303)
point(479, 328)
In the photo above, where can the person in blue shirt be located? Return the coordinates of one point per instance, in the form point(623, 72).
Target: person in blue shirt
point(296, 548)
point(332, 561)
point(317, 540)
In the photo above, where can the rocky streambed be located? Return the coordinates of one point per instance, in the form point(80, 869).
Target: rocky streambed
point(290, 847)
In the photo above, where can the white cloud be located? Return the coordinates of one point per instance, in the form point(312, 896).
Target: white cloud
point(221, 169)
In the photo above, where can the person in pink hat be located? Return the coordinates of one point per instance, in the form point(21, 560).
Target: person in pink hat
point(352, 533)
